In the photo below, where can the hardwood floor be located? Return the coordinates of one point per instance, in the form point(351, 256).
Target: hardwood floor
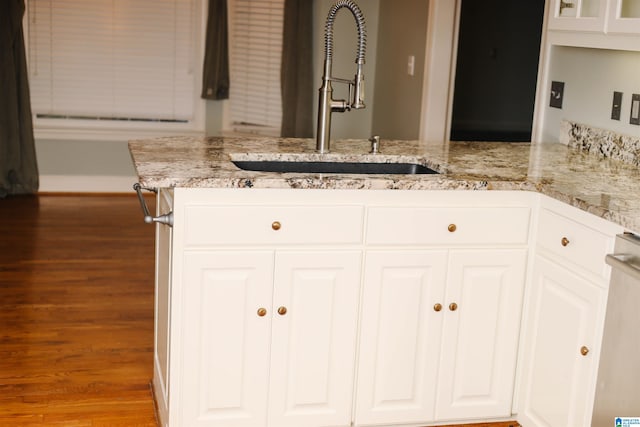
point(76, 312)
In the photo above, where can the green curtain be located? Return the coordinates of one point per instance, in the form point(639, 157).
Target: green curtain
point(215, 73)
point(296, 72)
point(18, 163)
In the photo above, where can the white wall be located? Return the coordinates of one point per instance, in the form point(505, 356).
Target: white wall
point(398, 96)
point(591, 76)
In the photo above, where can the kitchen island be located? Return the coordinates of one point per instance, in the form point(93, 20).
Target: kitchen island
point(604, 187)
point(287, 299)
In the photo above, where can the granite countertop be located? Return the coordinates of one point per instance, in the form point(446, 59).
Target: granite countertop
point(603, 186)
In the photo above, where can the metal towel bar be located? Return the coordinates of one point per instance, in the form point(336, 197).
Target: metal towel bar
point(166, 219)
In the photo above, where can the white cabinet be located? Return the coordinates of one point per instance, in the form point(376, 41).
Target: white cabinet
point(442, 297)
point(283, 308)
point(563, 339)
point(400, 336)
point(260, 309)
point(483, 303)
point(226, 330)
point(439, 335)
point(596, 16)
point(624, 17)
point(565, 317)
point(269, 340)
point(313, 344)
point(577, 15)
point(162, 309)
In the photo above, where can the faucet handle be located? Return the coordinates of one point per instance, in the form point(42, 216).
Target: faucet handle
point(358, 83)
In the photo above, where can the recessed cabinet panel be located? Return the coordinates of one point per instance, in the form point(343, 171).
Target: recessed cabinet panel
point(400, 336)
point(226, 346)
point(480, 338)
point(314, 338)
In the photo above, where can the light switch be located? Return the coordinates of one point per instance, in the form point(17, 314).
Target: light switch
point(616, 105)
point(411, 65)
point(635, 109)
point(557, 94)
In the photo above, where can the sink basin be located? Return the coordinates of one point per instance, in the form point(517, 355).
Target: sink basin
point(333, 167)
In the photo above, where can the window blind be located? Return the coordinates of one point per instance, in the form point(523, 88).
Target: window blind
point(113, 59)
point(255, 55)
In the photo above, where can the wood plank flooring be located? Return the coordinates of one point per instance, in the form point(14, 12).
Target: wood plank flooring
point(76, 312)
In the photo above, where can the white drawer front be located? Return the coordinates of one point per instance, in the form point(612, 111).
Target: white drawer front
point(256, 224)
point(447, 226)
point(574, 242)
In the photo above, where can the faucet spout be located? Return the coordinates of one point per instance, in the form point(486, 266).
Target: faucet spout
point(327, 104)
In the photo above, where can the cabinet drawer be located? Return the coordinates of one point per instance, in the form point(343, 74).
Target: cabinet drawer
point(257, 224)
point(574, 242)
point(448, 226)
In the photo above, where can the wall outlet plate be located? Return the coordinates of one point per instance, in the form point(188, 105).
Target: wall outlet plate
point(557, 94)
point(635, 109)
point(616, 105)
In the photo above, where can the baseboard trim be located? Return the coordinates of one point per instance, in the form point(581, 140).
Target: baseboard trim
point(86, 184)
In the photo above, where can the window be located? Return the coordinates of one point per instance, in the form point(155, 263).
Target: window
point(128, 65)
point(255, 55)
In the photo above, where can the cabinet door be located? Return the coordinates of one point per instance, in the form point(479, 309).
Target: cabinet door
point(400, 336)
point(480, 333)
point(577, 15)
point(559, 380)
point(225, 339)
point(313, 354)
point(624, 17)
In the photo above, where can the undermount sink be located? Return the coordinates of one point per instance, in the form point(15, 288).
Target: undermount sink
point(333, 167)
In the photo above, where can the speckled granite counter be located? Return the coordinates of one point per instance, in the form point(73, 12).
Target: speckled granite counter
point(604, 187)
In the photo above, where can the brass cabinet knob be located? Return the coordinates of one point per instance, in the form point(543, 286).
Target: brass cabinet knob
point(282, 311)
point(452, 228)
point(437, 307)
point(262, 311)
point(584, 350)
point(276, 225)
point(564, 241)
point(453, 306)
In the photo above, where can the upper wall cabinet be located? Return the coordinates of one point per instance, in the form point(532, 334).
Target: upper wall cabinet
point(597, 16)
point(578, 15)
point(604, 24)
point(624, 17)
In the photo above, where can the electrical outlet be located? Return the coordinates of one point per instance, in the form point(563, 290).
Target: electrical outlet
point(557, 94)
point(616, 105)
point(635, 109)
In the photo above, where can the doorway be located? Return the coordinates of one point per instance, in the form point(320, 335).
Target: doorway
point(496, 70)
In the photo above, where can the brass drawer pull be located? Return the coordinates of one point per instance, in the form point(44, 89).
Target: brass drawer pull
point(452, 228)
point(276, 225)
point(453, 306)
point(282, 311)
point(564, 241)
point(437, 307)
point(262, 312)
point(584, 350)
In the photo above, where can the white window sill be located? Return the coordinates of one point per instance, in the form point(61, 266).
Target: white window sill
point(80, 130)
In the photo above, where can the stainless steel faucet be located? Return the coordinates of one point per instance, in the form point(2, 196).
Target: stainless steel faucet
point(327, 104)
